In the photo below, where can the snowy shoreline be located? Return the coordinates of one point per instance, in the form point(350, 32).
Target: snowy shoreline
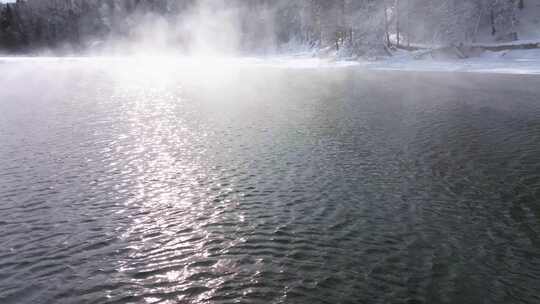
point(521, 62)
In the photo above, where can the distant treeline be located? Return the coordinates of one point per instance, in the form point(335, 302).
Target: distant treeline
point(354, 26)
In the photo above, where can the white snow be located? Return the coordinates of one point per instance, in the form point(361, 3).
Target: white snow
point(529, 26)
point(507, 62)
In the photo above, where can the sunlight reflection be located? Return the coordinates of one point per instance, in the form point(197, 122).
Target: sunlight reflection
point(177, 201)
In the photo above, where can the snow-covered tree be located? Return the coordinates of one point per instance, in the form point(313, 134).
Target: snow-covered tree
point(349, 26)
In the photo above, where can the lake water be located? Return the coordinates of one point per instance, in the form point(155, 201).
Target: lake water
point(140, 181)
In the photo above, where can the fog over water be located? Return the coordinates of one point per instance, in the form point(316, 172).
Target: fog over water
point(212, 180)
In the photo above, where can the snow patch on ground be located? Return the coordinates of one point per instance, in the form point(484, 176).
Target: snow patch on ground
point(506, 62)
point(529, 25)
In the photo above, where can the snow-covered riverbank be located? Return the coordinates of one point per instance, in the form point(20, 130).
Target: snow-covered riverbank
point(508, 62)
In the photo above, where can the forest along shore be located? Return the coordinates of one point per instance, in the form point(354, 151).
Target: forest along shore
point(343, 28)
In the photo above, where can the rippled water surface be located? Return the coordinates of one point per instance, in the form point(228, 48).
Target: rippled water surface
point(156, 182)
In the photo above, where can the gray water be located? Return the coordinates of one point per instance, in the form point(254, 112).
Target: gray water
point(265, 184)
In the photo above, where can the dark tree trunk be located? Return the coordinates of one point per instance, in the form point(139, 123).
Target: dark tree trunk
point(493, 29)
point(397, 22)
point(386, 27)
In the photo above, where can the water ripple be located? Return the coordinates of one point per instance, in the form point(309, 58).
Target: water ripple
point(269, 186)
